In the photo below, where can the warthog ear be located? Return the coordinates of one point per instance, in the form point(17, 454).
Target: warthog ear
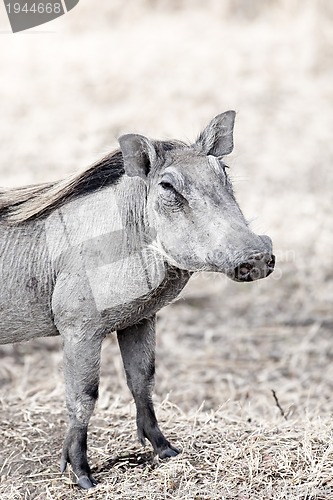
point(217, 138)
point(138, 154)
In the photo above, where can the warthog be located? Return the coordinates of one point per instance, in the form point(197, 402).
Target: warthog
point(104, 250)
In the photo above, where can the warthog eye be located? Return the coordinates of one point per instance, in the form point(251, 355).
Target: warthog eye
point(167, 185)
point(170, 195)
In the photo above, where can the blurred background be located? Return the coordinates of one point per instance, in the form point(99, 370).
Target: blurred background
point(164, 68)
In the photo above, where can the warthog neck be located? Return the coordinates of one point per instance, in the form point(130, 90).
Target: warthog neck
point(105, 241)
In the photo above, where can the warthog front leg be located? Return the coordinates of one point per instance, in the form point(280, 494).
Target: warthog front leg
point(137, 346)
point(81, 369)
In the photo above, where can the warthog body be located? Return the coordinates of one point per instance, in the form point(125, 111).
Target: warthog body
point(104, 250)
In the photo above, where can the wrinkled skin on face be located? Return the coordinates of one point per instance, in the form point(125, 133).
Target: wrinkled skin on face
point(191, 206)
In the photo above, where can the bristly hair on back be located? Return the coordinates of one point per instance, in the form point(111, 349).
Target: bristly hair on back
point(26, 203)
point(21, 204)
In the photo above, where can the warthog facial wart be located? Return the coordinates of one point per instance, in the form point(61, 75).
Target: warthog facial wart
point(105, 249)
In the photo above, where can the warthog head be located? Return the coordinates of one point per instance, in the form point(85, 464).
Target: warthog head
point(191, 208)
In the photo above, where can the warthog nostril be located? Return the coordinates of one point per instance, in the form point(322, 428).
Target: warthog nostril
point(245, 268)
point(258, 266)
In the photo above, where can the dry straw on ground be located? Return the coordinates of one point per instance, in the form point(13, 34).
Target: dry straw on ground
point(244, 372)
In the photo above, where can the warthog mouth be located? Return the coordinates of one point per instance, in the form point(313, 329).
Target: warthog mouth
point(257, 267)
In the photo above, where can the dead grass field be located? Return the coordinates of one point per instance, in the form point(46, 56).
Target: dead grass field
point(164, 69)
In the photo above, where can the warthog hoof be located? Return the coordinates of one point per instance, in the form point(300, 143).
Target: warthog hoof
point(169, 452)
point(86, 482)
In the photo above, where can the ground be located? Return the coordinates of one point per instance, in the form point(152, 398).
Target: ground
point(244, 371)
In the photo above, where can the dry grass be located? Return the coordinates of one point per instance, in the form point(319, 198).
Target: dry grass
point(219, 409)
point(224, 456)
point(237, 444)
point(164, 69)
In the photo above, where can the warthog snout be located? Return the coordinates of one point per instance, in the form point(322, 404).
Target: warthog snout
point(256, 267)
